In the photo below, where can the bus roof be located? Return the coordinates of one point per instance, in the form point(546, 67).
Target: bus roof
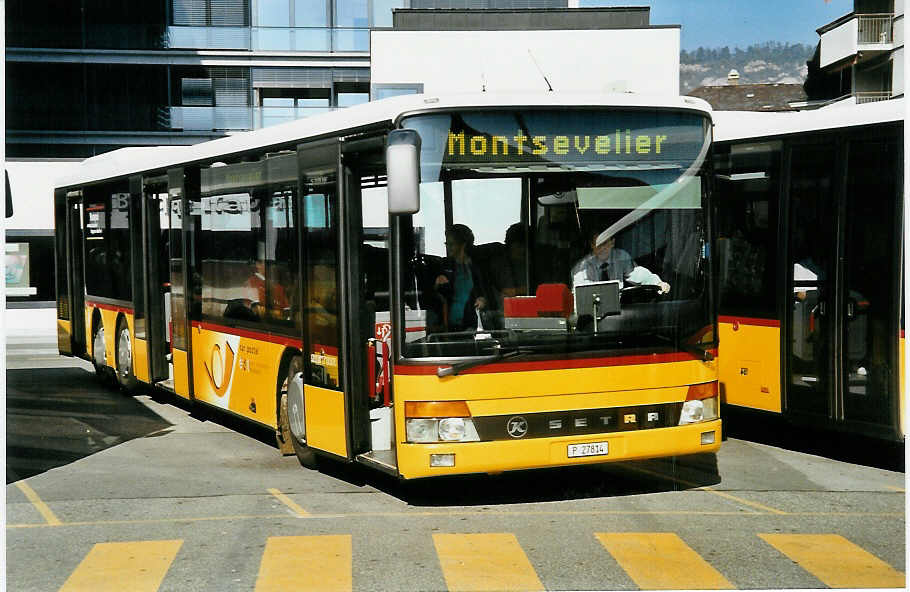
point(740, 125)
point(129, 161)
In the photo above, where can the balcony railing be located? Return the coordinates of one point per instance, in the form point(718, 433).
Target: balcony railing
point(233, 118)
point(872, 97)
point(267, 116)
point(874, 28)
point(321, 39)
point(211, 118)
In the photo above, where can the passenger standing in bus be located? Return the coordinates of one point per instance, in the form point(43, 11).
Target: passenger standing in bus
point(462, 287)
point(606, 262)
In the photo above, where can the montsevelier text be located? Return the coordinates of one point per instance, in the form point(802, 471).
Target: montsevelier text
point(622, 142)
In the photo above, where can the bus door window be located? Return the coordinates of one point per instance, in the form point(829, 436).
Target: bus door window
point(870, 265)
point(320, 303)
point(374, 265)
point(812, 223)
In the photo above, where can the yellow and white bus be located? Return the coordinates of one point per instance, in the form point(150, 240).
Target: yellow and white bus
point(402, 283)
point(810, 250)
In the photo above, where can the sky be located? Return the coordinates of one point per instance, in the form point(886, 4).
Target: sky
point(739, 23)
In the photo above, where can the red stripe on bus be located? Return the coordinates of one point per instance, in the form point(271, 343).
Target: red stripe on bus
point(109, 307)
point(415, 329)
point(269, 337)
point(557, 364)
point(750, 321)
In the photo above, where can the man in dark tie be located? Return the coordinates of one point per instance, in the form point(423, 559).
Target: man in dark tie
point(606, 262)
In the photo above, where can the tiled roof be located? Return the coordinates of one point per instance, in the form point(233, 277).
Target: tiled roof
point(751, 97)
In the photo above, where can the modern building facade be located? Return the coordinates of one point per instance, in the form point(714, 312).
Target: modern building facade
point(84, 77)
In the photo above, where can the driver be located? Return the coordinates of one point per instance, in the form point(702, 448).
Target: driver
point(606, 262)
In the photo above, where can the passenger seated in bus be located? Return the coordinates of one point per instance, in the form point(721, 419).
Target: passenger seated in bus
point(511, 268)
point(278, 302)
point(462, 290)
point(607, 262)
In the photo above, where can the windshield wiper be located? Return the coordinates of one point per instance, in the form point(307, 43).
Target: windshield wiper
point(692, 348)
point(497, 355)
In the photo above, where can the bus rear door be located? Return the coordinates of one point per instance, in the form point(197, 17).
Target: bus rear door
point(156, 276)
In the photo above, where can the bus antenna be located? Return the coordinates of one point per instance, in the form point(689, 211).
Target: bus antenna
point(533, 59)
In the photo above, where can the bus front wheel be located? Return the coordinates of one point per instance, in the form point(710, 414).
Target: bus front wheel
point(99, 354)
point(291, 422)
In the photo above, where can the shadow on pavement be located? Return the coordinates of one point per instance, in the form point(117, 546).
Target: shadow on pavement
point(55, 416)
point(846, 447)
point(567, 483)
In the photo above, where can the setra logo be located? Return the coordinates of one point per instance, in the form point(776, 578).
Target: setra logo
point(219, 368)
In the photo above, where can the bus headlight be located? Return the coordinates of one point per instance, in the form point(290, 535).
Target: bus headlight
point(451, 429)
point(447, 429)
point(422, 430)
point(439, 421)
point(701, 404)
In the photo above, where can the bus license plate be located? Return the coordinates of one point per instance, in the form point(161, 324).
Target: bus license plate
point(589, 449)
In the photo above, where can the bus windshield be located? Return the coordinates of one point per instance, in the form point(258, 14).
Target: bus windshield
point(558, 232)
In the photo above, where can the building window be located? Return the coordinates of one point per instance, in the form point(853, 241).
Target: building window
point(384, 91)
point(349, 99)
point(311, 13)
point(274, 13)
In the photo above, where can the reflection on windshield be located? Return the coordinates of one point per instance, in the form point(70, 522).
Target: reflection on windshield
point(557, 261)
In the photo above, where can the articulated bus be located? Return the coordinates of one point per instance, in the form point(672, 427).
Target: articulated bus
point(810, 254)
point(392, 284)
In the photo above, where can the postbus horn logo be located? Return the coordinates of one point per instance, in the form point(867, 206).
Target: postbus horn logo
point(219, 368)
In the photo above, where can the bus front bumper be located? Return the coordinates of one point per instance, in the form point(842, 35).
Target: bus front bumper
point(417, 460)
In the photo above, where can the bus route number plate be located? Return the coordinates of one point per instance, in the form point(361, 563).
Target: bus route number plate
point(589, 449)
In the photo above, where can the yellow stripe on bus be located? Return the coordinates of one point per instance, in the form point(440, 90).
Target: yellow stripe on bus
point(139, 566)
point(306, 563)
point(662, 561)
point(836, 561)
point(492, 561)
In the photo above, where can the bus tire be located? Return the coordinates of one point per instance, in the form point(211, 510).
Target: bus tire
point(291, 426)
point(124, 348)
point(99, 352)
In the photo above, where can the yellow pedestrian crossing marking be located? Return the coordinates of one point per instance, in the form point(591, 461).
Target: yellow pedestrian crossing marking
point(492, 561)
point(111, 567)
point(661, 561)
point(836, 561)
point(43, 508)
point(306, 563)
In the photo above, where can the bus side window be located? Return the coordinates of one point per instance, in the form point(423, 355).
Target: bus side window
point(281, 256)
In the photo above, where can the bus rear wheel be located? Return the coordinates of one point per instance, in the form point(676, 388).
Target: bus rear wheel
point(124, 372)
point(291, 422)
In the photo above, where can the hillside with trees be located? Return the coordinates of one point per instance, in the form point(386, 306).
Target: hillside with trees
point(763, 63)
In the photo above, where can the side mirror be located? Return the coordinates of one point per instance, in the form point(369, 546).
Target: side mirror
point(403, 167)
